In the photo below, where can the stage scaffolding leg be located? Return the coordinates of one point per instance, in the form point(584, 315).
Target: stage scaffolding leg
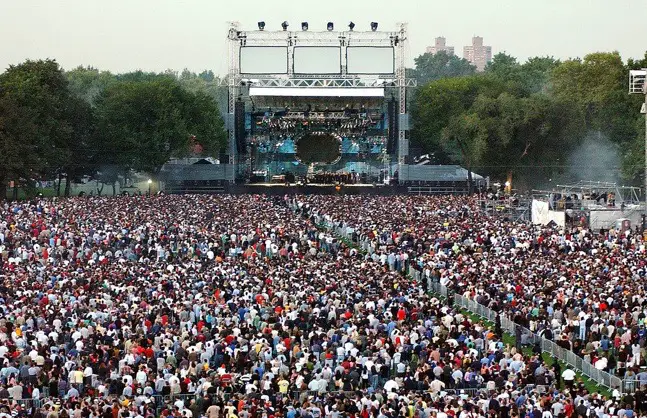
point(233, 78)
point(403, 141)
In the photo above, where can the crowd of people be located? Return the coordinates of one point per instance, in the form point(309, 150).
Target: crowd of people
point(336, 177)
point(583, 289)
point(246, 306)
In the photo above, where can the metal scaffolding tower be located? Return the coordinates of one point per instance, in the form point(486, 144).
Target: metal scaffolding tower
point(395, 79)
point(638, 85)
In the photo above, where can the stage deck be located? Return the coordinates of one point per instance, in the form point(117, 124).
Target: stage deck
point(359, 185)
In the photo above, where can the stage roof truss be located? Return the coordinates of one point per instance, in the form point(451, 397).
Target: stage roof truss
point(316, 38)
point(323, 81)
point(626, 194)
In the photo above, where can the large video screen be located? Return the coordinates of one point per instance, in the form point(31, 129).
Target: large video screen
point(264, 59)
point(317, 60)
point(370, 60)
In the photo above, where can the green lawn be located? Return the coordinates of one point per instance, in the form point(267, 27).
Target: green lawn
point(509, 339)
point(23, 194)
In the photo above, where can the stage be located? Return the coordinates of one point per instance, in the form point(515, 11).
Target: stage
point(338, 125)
point(317, 188)
point(355, 185)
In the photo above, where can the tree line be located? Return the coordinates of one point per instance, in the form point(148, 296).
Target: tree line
point(86, 123)
point(524, 120)
point(527, 120)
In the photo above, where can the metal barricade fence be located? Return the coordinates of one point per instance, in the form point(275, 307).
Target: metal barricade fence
point(507, 325)
point(26, 404)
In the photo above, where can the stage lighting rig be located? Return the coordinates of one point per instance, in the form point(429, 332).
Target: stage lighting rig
point(330, 27)
point(261, 25)
point(304, 26)
point(373, 26)
point(351, 26)
point(284, 25)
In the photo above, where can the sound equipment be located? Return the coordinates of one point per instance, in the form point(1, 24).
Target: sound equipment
point(392, 119)
point(239, 127)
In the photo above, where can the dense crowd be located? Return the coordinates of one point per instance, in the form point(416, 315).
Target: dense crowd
point(583, 289)
point(244, 306)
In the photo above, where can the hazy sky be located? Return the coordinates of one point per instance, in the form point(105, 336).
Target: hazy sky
point(125, 35)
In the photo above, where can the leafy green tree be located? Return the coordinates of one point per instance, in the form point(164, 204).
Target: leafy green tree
point(207, 76)
point(503, 66)
point(590, 84)
point(206, 83)
point(467, 133)
point(145, 123)
point(430, 67)
point(34, 130)
point(498, 123)
point(82, 143)
point(88, 83)
point(522, 79)
point(144, 76)
point(536, 72)
point(597, 87)
point(637, 64)
point(438, 102)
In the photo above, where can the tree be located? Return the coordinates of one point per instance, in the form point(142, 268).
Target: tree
point(437, 103)
point(207, 76)
point(589, 84)
point(466, 131)
point(536, 74)
point(88, 83)
point(82, 146)
point(597, 87)
point(526, 136)
point(637, 64)
point(208, 84)
point(144, 123)
point(503, 66)
point(506, 69)
point(34, 130)
point(430, 67)
point(522, 79)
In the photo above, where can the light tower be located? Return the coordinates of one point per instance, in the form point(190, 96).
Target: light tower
point(637, 85)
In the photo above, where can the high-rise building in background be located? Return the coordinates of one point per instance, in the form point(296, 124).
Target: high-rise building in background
point(478, 54)
point(440, 45)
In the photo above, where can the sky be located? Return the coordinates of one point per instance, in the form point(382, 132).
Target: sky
point(155, 35)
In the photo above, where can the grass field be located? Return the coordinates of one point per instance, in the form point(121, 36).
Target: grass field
point(508, 339)
point(26, 194)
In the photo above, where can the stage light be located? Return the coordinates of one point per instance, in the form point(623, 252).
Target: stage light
point(284, 25)
point(330, 26)
point(261, 25)
point(304, 26)
point(351, 26)
point(373, 26)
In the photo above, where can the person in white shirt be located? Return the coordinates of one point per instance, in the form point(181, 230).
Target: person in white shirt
point(569, 377)
point(141, 376)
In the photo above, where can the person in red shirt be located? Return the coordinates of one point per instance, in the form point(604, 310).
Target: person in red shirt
point(402, 314)
point(149, 353)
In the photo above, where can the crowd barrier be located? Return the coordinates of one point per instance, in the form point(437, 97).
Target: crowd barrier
point(587, 369)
